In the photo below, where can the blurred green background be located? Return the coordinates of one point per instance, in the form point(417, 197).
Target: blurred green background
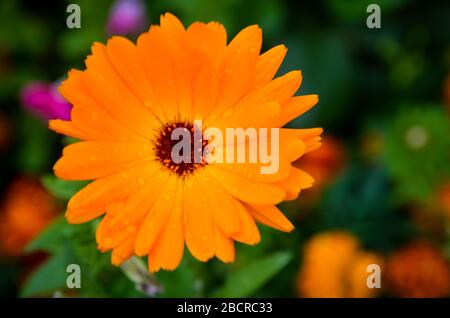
point(383, 173)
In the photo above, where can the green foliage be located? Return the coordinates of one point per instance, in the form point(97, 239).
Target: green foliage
point(75, 244)
point(49, 277)
point(418, 150)
point(246, 281)
point(36, 149)
point(62, 189)
point(360, 203)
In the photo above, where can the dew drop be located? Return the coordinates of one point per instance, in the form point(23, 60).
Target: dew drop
point(228, 113)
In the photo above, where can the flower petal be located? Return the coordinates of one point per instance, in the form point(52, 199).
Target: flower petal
point(168, 249)
point(246, 190)
point(157, 217)
point(268, 64)
point(271, 216)
point(199, 224)
point(86, 160)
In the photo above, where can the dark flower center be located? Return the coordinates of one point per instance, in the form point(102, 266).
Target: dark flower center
point(165, 143)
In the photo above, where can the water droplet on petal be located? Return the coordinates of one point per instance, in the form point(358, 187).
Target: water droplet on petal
point(228, 113)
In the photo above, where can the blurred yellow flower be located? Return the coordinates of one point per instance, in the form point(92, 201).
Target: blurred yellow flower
point(335, 267)
point(418, 270)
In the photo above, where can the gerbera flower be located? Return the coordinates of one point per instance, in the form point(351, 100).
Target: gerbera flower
point(125, 106)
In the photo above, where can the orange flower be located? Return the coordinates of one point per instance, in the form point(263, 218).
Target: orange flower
point(125, 106)
point(418, 270)
point(26, 211)
point(335, 267)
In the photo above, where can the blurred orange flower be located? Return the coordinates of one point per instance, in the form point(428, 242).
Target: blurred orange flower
point(26, 210)
point(418, 270)
point(334, 266)
point(325, 162)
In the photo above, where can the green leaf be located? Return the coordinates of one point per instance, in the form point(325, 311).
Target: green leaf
point(62, 189)
point(49, 277)
point(245, 281)
point(51, 239)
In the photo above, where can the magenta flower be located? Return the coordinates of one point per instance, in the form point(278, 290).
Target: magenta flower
point(127, 17)
point(43, 100)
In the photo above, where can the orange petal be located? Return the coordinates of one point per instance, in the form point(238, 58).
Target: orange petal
point(170, 23)
point(224, 246)
point(124, 219)
point(248, 232)
point(237, 69)
point(167, 251)
point(268, 65)
point(297, 181)
point(225, 215)
point(246, 190)
point(88, 116)
point(294, 108)
point(157, 217)
point(199, 224)
point(154, 56)
point(102, 80)
point(271, 216)
point(116, 187)
point(280, 90)
point(124, 58)
point(122, 252)
point(88, 160)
